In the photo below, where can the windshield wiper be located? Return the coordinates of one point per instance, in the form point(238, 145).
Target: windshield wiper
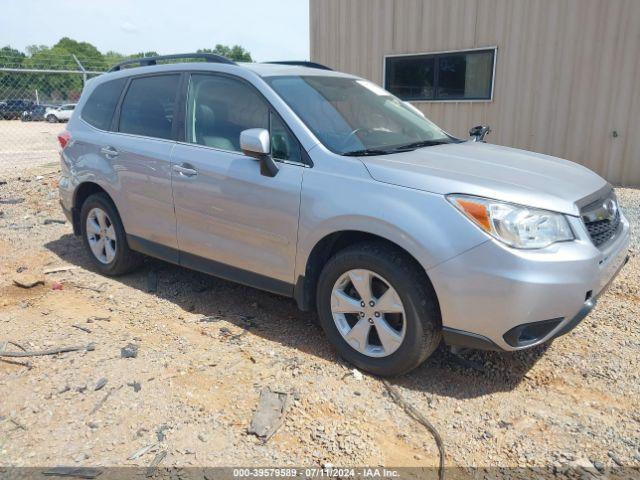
point(402, 148)
point(423, 143)
point(367, 151)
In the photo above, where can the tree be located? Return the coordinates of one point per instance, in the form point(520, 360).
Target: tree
point(10, 84)
point(67, 86)
point(62, 86)
point(10, 57)
point(235, 53)
point(144, 54)
point(111, 58)
point(87, 54)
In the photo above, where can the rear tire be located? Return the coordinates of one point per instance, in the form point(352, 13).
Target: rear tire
point(52, 119)
point(416, 331)
point(104, 237)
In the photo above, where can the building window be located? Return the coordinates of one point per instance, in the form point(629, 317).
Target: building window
point(466, 75)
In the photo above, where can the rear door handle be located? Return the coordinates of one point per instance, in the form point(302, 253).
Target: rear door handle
point(109, 152)
point(185, 170)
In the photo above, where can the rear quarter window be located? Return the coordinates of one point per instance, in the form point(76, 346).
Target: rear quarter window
point(98, 111)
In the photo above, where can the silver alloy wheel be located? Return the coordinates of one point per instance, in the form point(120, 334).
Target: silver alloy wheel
point(101, 235)
point(368, 313)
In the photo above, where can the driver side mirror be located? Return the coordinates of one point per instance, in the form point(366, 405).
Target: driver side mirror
point(256, 143)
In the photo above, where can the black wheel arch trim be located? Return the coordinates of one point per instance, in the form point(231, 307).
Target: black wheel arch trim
point(462, 338)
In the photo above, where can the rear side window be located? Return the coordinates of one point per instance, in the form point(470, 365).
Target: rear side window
point(98, 111)
point(148, 106)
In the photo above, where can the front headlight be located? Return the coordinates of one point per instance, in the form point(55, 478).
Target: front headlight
point(516, 225)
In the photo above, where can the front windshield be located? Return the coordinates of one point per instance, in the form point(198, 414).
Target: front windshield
point(356, 117)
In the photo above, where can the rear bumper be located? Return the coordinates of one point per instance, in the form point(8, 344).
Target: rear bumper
point(496, 298)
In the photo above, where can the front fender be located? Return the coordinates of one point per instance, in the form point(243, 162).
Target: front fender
point(422, 223)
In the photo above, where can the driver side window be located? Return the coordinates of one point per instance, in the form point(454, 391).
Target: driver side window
point(220, 107)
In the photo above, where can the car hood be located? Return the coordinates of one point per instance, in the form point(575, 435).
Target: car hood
point(492, 171)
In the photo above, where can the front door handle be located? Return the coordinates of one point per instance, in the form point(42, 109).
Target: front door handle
point(185, 170)
point(109, 152)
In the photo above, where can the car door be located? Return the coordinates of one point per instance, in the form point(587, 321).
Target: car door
point(232, 221)
point(139, 151)
point(65, 112)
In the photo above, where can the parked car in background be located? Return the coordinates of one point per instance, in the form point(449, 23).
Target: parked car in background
point(13, 108)
point(323, 186)
point(59, 114)
point(34, 114)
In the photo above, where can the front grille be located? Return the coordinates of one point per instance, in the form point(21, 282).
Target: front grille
point(601, 231)
point(602, 223)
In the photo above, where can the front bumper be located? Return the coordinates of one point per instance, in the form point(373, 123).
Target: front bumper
point(493, 297)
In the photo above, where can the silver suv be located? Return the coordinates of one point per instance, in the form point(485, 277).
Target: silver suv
point(324, 187)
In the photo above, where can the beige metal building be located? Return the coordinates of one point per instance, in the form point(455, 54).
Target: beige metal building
point(560, 77)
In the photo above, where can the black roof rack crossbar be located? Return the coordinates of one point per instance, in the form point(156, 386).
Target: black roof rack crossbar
point(146, 61)
point(301, 63)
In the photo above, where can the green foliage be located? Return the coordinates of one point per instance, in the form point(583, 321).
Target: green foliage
point(235, 53)
point(111, 58)
point(68, 86)
point(144, 54)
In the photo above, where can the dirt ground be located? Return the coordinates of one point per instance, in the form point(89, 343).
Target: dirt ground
point(27, 144)
point(207, 347)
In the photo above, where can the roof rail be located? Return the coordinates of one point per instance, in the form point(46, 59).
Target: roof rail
point(147, 61)
point(301, 63)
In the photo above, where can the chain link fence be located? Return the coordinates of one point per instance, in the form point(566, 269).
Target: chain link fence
point(37, 95)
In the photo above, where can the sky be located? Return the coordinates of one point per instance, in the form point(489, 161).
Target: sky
point(269, 29)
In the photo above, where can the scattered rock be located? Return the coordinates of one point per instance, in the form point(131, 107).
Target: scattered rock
point(599, 465)
point(51, 221)
point(59, 269)
point(616, 459)
point(101, 383)
point(11, 201)
point(28, 280)
point(80, 327)
point(270, 413)
point(160, 432)
point(156, 461)
point(129, 351)
point(135, 385)
point(582, 463)
point(142, 451)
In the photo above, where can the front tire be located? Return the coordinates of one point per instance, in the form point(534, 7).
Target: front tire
point(378, 308)
point(104, 237)
point(52, 119)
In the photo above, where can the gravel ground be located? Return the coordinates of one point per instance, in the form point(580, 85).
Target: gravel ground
point(27, 144)
point(206, 348)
